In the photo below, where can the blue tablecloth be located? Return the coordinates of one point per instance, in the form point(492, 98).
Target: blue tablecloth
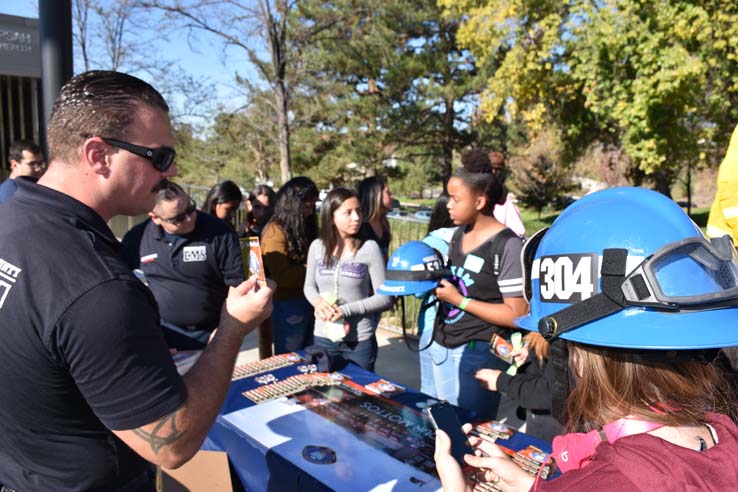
point(265, 442)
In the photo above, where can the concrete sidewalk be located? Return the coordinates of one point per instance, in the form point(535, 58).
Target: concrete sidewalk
point(395, 361)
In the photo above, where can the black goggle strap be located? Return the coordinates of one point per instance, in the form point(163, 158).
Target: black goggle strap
point(724, 247)
point(425, 304)
point(404, 323)
point(609, 301)
point(417, 275)
point(558, 379)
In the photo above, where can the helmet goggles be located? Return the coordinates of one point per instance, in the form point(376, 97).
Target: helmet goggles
point(693, 274)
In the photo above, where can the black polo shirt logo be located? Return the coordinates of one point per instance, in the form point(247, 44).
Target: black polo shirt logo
point(149, 258)
point(194, 253)
point(8, 275)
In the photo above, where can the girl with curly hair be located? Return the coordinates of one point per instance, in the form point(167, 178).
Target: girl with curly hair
point(285, 242)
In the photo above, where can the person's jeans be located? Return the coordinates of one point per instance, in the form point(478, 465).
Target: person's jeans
point(427, 384)
point(292, 325)
point(452, 376)
point(363, 354)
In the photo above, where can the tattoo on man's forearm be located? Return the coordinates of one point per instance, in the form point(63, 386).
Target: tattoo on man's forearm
point(157, 441)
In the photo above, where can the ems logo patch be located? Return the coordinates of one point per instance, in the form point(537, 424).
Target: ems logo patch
point(194, 253)
point(567, 278)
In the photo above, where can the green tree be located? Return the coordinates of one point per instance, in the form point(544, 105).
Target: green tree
point(390, 81)
point(239, 146)
point(539, 174)
point(657, 79)
point(418, 177)
point(201, 160)
point(642, 77)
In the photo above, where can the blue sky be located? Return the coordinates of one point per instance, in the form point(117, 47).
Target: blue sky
point(206, 61)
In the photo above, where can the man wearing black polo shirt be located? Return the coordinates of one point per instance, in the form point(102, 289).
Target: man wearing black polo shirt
point(24, 159)
point(88, 393)
point(189, 259)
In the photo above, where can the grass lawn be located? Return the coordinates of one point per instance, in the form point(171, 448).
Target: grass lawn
point(417, 202)
point(533, 223)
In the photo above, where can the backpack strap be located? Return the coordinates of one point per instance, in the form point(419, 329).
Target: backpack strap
point(457, 236)
point(498, 247)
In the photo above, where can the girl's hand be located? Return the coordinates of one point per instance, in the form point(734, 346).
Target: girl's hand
point(336, 315)
point(520, 355)
point(447, 292)
point(325, 311)
point(488, 378)
point(452, 477)
point(496, 467)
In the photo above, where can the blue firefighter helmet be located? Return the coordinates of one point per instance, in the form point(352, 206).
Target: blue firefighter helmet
point(413, 268)
point(626, 267)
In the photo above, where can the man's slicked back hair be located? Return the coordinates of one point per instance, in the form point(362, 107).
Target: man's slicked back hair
point(96, 103)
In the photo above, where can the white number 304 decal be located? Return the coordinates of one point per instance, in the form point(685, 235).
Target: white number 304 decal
point(569, 278)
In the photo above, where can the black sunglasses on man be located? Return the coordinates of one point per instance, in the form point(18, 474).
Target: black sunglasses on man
point(182, 216)
point(161, 157)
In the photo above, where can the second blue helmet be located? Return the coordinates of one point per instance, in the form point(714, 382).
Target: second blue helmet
point(413, 268)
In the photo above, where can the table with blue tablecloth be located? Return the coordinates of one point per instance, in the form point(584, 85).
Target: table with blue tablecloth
point(339, 436)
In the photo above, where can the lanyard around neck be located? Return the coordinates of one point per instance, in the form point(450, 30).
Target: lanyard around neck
point(336, 276)
point(572, 451)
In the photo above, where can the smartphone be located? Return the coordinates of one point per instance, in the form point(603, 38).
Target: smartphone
point(443, 416)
